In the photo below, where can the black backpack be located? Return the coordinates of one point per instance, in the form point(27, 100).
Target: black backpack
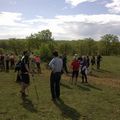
point(18, 66)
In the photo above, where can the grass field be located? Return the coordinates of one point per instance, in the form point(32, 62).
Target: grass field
point(97, 100)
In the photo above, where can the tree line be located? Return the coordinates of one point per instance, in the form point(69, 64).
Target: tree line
point(43, 43)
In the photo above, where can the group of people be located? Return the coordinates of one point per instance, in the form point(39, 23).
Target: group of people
point(82, 64)
point(27, 64)
point(78, 65)
point(34, 63)
point(7, 62)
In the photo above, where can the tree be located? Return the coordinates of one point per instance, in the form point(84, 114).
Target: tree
point(46, 35)
point(35, 40)
point(108, 44)
point(1, 50)
point(91, 47)
point(65, 47)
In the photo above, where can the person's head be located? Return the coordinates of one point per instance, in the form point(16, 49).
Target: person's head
point(55, 54)
point(60, 56)
point(25, 53)
point(64, 54)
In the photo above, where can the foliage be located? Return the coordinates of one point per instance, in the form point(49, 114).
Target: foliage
point(35, 40)
point(45, 52)
point(109, 44)
point(1, 50)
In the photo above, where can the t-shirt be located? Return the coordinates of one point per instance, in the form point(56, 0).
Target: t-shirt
point(56, 64)
point(75, 65)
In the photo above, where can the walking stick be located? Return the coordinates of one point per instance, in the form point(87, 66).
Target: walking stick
point(35, 87)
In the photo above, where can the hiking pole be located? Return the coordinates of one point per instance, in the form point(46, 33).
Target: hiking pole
point(35, 87)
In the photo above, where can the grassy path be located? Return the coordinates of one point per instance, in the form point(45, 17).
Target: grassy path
point(98, 100)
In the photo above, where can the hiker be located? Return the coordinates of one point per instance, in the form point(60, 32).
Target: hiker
point(80, 59)
point(37, 61)
point(65, 63)
point(88, 61)
point(98, 60)
point(84, 70)
point(92, 62)
point(75, 69)
point(2, 62)
point(12, 61)
point(17, 69)
point(25, 78)
point(32, 63)
point(56, 65)
point(7, 62)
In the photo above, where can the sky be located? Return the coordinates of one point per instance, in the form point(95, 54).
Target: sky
point(66, 19)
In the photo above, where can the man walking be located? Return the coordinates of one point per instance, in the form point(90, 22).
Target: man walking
point(56, 66)
point(99, 57)
point(65, 63)
point(25, 79)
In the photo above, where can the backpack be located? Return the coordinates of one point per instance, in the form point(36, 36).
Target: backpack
point(18, 66)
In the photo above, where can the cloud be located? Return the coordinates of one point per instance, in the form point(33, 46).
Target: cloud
point(77, 2)
point(13, 2)
point(114, 6)
point(62, 26)
point(10, 19)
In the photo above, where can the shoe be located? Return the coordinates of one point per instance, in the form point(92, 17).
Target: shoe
point(53, 99)
point(58, 98)
point(23, 94)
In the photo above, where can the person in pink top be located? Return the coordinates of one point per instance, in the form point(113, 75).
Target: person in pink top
point(37, 61)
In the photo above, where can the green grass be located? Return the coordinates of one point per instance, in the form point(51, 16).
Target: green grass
point(93, 101)
point(110, 67)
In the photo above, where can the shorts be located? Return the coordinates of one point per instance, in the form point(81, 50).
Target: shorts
point(25, 78)
point(75, 73)
point(84, 72)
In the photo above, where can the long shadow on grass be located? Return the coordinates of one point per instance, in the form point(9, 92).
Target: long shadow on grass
point(93, 87)
point(28, 105)
point(66, 86)
point(67, 111)
point(83, 87)
point(93, 74)
point(87, 87)
point(103, 71)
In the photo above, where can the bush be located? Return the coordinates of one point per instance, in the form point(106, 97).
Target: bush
point(45, 53)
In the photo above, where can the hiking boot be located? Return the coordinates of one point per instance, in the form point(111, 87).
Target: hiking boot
point(23, 94)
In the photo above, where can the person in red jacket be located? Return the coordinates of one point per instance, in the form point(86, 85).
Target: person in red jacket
point(75, 69)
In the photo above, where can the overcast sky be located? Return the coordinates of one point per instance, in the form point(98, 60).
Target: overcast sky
point(66, 19)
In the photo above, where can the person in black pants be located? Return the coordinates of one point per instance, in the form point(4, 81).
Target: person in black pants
point(65, 63)
point(2, 62)
point(7, 61)
point(84, 70)
point(93, 62)
point(99, 57)
point(25, 78)
point(56, 65)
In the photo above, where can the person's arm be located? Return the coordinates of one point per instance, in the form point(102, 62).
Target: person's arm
point(26, 64)
point(27, 68)
point(51, 64)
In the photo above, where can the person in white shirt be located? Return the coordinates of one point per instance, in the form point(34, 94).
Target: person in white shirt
point(56, 65)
